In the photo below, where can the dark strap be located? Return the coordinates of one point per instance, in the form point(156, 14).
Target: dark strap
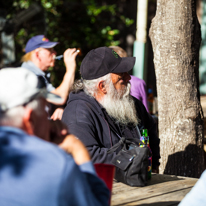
point(111, 124)
point(124, 141)
point(135, 141)
point(116, 146)
point(41, 82)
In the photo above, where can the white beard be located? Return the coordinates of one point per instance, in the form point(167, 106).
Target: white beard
point(120, 105)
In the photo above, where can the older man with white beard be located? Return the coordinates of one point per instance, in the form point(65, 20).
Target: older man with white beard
point(100, 109)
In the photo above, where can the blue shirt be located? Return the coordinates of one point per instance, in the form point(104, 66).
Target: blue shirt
point(36, 70)
point(34, 172)
point(197, 195)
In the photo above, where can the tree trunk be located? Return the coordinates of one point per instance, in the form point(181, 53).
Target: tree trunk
point(175, 36)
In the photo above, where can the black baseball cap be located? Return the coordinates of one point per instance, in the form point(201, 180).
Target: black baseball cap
point(103, 60)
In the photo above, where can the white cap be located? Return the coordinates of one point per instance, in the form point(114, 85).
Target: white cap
point(18, 86)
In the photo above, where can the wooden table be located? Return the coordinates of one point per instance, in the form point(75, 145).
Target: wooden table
point(162, 190)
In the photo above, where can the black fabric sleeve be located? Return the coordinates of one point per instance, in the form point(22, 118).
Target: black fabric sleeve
point(89, 137)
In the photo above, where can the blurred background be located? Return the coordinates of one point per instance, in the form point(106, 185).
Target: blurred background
point(87, 24)
point(84, 24)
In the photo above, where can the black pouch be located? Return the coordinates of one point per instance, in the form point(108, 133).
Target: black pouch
point(131, 162)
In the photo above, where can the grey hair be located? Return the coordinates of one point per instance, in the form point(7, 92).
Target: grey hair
point(14, 116)
point(90, 86)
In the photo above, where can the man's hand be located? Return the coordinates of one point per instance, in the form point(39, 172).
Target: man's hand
point(57, 115)
point(58, 131)
point(70, 59)
point(76, 148)
point(68, 142)
point(70, 62)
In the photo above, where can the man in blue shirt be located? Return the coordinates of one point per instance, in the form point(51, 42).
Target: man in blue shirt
point(197, 194)
point(33, 171)
point(40, 56)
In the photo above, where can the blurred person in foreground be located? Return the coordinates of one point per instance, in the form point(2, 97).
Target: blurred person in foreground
point(40, 56)
point(101, 110)
point(34, 171)
point(138, 86)
point(196, 196)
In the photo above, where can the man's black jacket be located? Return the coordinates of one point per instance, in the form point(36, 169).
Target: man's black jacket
point(88, 120)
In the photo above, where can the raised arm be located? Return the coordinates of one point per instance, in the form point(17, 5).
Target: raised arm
point(70, 62)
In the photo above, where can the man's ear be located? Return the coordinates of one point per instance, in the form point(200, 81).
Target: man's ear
point(28, 122)
point(102, 87)
point(36, 53)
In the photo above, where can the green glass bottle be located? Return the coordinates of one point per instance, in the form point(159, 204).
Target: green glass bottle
point(145, 135)
point(146, 139)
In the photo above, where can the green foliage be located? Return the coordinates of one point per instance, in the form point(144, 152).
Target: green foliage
point(84, 24)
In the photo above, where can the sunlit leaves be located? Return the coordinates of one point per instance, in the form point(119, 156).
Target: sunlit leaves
point(127, 21)
point(84, 24)
point(113, 32)
point(47, 5)
point(96, 10)
point(21, 4)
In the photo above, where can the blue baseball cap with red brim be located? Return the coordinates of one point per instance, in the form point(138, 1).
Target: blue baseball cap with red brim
point(39, 41)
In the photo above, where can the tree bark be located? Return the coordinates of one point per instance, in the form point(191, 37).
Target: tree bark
point(175, 36)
